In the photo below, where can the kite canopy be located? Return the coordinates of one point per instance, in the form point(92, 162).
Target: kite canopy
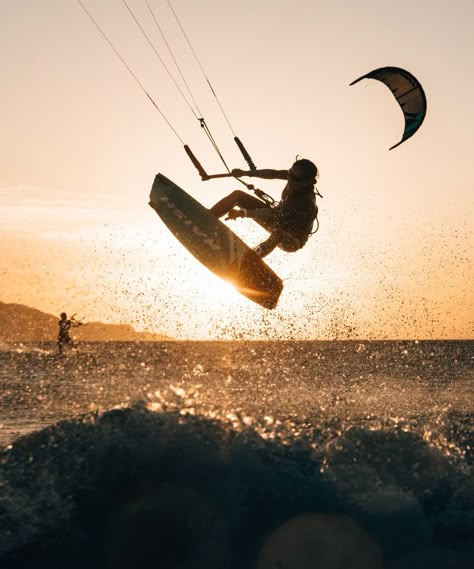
point(407, 91)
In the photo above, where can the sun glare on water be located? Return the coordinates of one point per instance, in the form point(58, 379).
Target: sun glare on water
point(215, 293)
point(149, 279)
point(213, 306)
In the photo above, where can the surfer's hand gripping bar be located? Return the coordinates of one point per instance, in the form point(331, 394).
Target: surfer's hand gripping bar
point(234, 174)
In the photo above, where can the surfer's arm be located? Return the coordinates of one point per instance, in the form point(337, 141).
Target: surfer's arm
point(267, 174)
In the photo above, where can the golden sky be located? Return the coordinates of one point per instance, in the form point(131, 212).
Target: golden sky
point(80, 144)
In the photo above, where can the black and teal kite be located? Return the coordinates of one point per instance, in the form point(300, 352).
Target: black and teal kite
point(409, 93)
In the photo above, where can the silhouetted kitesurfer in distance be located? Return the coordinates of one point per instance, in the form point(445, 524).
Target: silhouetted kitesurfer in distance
point(65, 324)
point(290, 222)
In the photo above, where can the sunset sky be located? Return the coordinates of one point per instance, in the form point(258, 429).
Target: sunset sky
point(80, 145)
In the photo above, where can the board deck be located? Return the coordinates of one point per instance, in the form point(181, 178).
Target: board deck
point(214, 244)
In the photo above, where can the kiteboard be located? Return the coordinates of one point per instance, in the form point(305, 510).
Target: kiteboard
point(214, 244)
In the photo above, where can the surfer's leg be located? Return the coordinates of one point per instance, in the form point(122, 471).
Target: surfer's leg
point(267, 246)
point(239, 199)
point(266, 217)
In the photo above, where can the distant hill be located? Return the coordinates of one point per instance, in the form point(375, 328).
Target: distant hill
point(19, 323)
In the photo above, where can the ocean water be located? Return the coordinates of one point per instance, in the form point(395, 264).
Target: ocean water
point(230, 455)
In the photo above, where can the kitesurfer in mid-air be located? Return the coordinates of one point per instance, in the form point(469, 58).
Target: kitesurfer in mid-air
point(65, 325)
point(290, 222)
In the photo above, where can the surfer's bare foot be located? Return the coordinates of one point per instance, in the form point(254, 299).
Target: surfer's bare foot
point(235, 213)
